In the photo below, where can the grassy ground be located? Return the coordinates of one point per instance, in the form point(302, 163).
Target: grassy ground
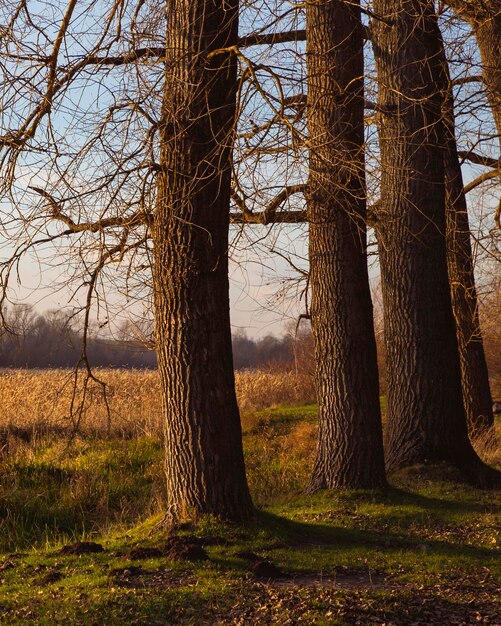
point(425, 552)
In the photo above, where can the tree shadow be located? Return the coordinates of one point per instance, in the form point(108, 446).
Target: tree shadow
point(285, 533)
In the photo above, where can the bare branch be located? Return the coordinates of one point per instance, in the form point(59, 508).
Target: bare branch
point(270, 215)
point(478, 159)
point(464, 80)
point(264, 39)
point(129, 57)
point(136, 219)
point(481, 179)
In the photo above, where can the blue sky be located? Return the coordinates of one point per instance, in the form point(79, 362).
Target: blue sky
point(259, 278)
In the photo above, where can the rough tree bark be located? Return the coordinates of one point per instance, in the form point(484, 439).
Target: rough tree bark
point(426, 418)
point(488, 35)
point(485, 21)
point(477, 396)
point(484, 17)
point(204, 458)
point(350, 449)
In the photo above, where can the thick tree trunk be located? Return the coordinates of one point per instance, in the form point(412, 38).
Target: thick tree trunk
point(426, 418)
point(350, 450)
point(477, 396)
point(485, 21)
point(488, 35)
point(204, 458)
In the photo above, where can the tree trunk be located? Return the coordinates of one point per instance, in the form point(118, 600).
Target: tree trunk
point(350, 450)
point(488, 35)
point(485, 21)
point(204, 458)
point(477, 396)
point(426, 418)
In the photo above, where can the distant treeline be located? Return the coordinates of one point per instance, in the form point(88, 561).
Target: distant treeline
point(54, 339)
point(255, 353)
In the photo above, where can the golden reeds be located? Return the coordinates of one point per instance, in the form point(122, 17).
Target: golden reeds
point(46, 400)
point(38, 402)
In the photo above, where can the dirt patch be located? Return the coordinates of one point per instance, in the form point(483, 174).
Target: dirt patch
point(355, 579)
point(130, 576)
point(82, 547)
point(265, 570)
point(125, 573)
point(185, 549)
point(51, 577)
point(140, 553)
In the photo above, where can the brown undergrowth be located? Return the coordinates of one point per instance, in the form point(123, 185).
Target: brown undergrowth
point(36, 402)
point(81, 543)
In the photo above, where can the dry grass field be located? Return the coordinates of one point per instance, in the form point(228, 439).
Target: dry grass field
point(36, 403)
point(424, 551)
point(41, 401)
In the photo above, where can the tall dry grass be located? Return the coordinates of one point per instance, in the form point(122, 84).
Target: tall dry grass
point(41, 400)
point(34, 403)
point(37, 401)
point(262, 389)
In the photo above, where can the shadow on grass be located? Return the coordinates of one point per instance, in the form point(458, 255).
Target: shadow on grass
point(303, 535)
point(397, 496)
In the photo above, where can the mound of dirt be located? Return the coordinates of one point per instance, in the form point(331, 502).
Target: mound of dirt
point(267, 571)
point(51, 577)
point(140, 553)
point(185, 549)
point(126, 572)
point(82, 547)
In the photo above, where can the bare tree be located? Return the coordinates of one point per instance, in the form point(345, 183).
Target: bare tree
point(477, 396)
point(350, 446)
point(484, 18)
point(205, 470)
point(158, 188)
point(426, 416)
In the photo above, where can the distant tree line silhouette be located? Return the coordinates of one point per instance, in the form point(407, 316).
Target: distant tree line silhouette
point(251, 353)
point(54, 339)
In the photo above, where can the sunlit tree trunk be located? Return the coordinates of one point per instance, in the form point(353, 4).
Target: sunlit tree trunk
point(426, 419)
point(484, 17)
point(477, 396)
point(203, 447)
point(350, 451)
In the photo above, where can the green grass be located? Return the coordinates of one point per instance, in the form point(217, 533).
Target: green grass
point(425, 551)
point(50, 492)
